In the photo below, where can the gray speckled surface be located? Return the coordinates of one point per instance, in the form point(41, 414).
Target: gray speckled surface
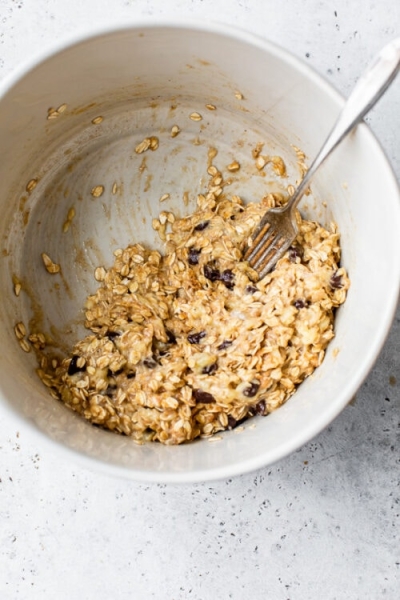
point(321, 524)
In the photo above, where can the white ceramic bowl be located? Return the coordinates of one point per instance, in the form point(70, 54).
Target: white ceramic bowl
point(143, 79)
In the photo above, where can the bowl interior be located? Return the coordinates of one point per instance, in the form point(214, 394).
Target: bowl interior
point(141, 82)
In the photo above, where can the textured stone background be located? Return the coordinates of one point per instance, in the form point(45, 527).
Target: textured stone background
point(322, 524)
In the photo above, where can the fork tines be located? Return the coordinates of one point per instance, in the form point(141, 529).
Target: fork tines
point(267, 247)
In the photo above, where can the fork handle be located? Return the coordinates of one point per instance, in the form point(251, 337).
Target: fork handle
point(366, 93)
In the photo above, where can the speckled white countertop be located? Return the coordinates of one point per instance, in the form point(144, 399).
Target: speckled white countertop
point(323, 524)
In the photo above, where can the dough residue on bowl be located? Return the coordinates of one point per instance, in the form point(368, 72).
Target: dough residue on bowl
point(188, 343)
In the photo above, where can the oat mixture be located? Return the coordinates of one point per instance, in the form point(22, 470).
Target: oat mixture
point(188, 343)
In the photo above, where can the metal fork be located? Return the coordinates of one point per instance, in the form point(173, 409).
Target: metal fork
point(278, 228)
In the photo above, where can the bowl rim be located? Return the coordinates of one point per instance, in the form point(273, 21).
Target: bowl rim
point(259, 461)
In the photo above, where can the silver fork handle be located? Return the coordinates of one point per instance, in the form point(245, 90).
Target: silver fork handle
point(366, 93)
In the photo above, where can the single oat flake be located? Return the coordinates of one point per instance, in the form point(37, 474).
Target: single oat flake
point(195, 116)
point(69, 219)
point(154, 142)
point(175, 130)
point(50, 266)
point(100, 273)
point(25, 345)
point(233, 166)
point(261, 161)
point(278, 165)
point(17, 285)
point(30, 186)
point(97, 191)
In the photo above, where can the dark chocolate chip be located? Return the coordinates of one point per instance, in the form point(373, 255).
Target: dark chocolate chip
point(300, 303)
point(203, 397)
point(131, 375)
point(201, 226)
point(231, 422)
point(210, 369)
point(261, 408)
point(251, 289)
point(112, 334)
point(150, 362)
point(336, 281)
point(224, 344)
point(194, 338)
point(193, 256)
point(227, 277)
point(295, 252)
point(121, 370)
point(211, 273)
point(252, 389)
point(171, 337)
point(73, 367)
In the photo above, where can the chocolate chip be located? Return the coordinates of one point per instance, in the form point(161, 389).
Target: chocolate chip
point(231, 422)
point(121, 370)
point(336, 281)
point(251, 389)
point(251, 289)
point(112, 334)
point(193, 256)
point(110, 391)
point(171, 337)
point(261, 408)
point(194, 338)
point(73, 367)
point(131, 375)
point(300, 303)
point(210, 369)
point(160, 348)
point(224, 344)
point(227, 277)
point(211, 273)
point(150, 362)
point(295, 252)
point(201, 226)
point(203, 397)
